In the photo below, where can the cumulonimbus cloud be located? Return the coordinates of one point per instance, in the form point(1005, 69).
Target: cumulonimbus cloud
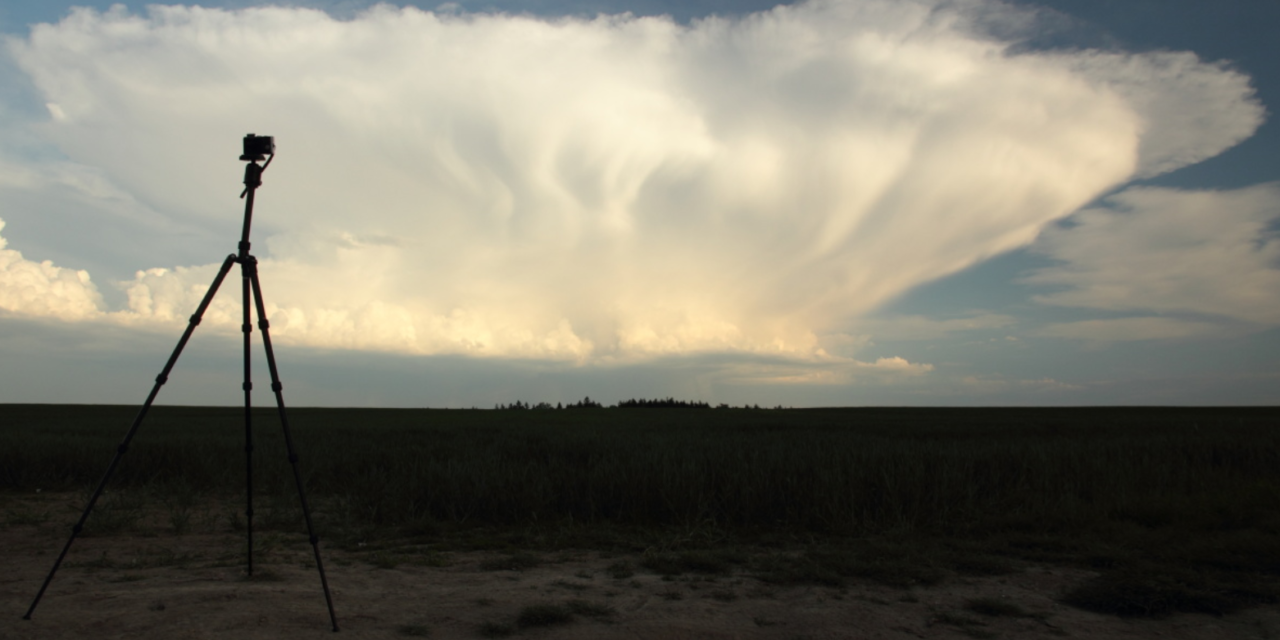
point(609, 188)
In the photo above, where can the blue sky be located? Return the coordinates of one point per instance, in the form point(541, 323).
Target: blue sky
point(847, 202)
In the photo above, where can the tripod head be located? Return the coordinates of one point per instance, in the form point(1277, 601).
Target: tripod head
point(256, 149)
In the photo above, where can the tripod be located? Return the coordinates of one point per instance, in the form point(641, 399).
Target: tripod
point(255, 147)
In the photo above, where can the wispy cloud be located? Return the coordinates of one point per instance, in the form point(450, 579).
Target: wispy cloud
point(609, 189)
point(1212, 254)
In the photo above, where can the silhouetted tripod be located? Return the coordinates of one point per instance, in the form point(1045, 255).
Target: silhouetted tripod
point(256, 149)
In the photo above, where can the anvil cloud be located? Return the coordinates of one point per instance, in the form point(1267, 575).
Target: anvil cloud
point(606, 189)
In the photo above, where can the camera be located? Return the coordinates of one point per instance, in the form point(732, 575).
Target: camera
point(258, 147)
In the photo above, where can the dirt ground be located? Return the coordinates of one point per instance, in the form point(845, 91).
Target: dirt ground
point(194, 586)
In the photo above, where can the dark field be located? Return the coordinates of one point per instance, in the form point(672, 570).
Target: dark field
point(1177, 508)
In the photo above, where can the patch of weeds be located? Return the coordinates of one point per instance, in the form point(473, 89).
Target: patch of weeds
point(520, 561)
point(179, 499)
point(787, 569)
point(705, 562)
point(995, 608)
point(724, 595)
point(263, 575)
point(25, 516)
point(982, 565)
point(1160, 591)
point(762, 621)
point(100, 562)
point(428, 559)
point(496, 630)
point(671, 594)
point(591, 609)
point(572, 586)
point(544, 615)
point(127, 577)
point(966, 625)
point(621, 570)
point(415, 630)
point(636, 584)
point(156, 606)
point(583, 574)
point(383, 559)
point(484, 602)
point(116, 512)
point(909, 597)
point(871, 599)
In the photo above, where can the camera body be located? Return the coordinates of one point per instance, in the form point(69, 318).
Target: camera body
point(258, 147)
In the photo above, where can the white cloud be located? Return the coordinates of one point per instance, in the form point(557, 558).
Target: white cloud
point(42, 289)
point(1212, 253)
point(610, 189)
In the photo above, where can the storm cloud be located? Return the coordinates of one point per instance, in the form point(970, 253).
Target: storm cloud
point(600, 190)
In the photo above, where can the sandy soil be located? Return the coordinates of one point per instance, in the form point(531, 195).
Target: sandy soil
point(193, 586)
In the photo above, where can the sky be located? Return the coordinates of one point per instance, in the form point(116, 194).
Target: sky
point(823, 203)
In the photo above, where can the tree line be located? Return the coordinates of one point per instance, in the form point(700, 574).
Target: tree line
point(588, 403)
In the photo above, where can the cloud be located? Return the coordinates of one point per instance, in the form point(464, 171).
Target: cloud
point(41, 289)
point(1214, 254)
point(1127, 329)
point(611, 189)
point(916, 327)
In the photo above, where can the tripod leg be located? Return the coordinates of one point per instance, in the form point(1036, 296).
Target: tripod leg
point(137, 421)
point(247, 329)
point(288, 439)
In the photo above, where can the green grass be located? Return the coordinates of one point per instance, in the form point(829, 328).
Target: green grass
point(1177, 508)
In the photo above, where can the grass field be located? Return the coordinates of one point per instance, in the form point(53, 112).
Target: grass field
point(1178, 508)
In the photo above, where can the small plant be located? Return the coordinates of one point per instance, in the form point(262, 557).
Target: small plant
point(383, 559)
point(263, 575)
point(415, 630)
point(621, 570)
point(591, 609)
point(496, 630)
point(515, 562)
point(572, 586)
point(995, 607)
point(543, 615)
point(968, 626)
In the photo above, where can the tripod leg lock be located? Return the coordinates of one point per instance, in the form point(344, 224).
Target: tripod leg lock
point(293, 458)
point(276, 386)
point(122, 448)
point(195, 319)
point(246, 328)
point(161, 379)
point(248, 386)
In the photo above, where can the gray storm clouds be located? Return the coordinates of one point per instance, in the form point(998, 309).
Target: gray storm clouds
point(610, 189)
